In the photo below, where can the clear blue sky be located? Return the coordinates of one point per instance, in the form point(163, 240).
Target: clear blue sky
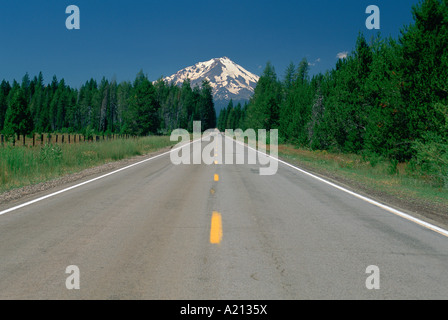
point(119, 38)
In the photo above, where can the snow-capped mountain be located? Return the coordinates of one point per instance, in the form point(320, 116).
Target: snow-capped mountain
point(228, 80)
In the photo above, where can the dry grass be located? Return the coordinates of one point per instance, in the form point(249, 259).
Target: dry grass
point(370, 176)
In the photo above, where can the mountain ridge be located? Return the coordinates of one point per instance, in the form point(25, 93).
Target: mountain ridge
point(229, 81)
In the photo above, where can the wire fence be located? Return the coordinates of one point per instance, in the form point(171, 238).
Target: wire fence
point(39, 139)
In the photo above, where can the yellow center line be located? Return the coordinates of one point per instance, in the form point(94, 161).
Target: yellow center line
point(216, 228)
point(216, 177)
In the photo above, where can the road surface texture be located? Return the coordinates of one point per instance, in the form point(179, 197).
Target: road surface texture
point(163, 231)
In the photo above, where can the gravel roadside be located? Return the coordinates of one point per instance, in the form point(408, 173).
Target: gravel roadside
point(430, 212)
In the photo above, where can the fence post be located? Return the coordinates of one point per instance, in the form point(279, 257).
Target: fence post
point(24, 136)
point(34, 139)
point(62, 139)
point(3, 139)
point(56, 138)
point(41, 138)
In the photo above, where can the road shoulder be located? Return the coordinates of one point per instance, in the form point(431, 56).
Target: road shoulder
point(15, 196)
point(424, 210)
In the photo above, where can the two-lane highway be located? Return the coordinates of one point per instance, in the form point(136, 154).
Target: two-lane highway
point(163, 231)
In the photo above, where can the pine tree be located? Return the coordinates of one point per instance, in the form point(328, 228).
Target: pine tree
point(290, 77)
point(296, 107)
point(229, 114)
point(37, 100)
point(222, 119)
point(26, 87)
point(112, 115)
point(207, 107)
point(103, 96)
point(61, 105)
point(18, 119)
point(302, 71)
point(5, 88)
point(264, 108)
point(424, 68)
point(188, 101)
point(142, 117)
point(347, 106)
point(123, 96)
point(386, 117)
point(231, 119)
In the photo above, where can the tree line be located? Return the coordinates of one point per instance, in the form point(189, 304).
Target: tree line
point(138, 108)
point(387, 98)
point(232, 117)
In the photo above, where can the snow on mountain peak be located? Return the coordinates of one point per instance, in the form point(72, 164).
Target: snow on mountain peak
point(227, 79)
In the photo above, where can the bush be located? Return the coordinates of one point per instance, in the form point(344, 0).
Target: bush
point(50, 153)
point(372, 158)
point(432, 157)
point(392, 169)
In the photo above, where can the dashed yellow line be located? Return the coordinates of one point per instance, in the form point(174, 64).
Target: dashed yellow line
point(216, 228)
point(216, 224)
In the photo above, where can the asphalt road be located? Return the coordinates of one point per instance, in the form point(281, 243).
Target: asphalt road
point(163, 231)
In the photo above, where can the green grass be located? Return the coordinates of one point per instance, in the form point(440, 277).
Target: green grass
point(22, 166)
point(376, 175)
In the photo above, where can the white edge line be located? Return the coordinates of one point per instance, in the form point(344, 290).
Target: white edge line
point(371, 201)
point(92, 180)
point(380, 205)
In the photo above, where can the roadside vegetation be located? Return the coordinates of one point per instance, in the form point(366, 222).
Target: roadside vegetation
point(22, 166)
point(398, 183)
